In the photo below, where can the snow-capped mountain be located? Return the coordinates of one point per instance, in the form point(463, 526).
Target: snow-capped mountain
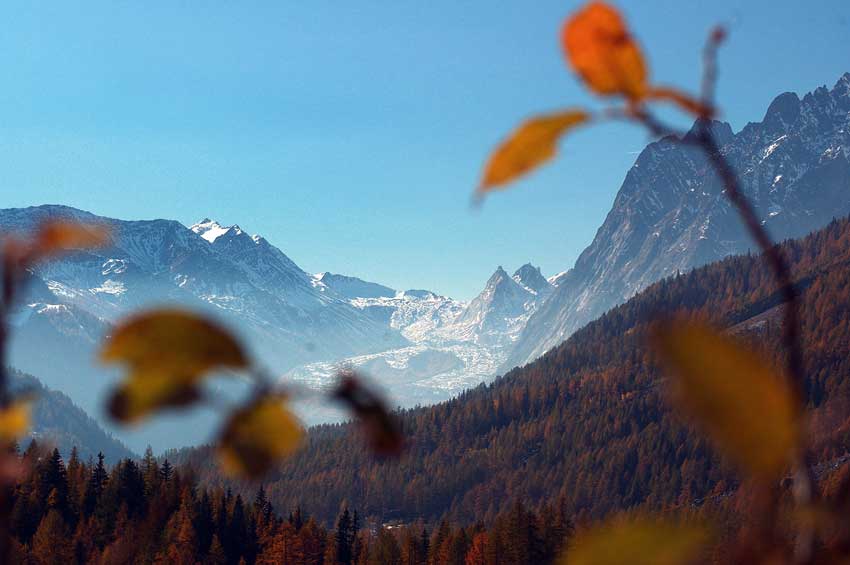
point(422, 347)
point(454, 345)
point(533, 280)
point(282, 313)
point(500, 311)
point(670, 214)
point(352, 287)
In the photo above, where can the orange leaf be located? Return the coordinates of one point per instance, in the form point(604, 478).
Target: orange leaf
point(637, 542)
point(684, 101)
point(531, 145)
point(58, 236)
point(748, 409)
point(603, 52)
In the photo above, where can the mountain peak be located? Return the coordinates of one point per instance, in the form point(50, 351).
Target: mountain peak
point(498, 276)
point(842, 86)
point(721, 131)
point(783, 111)
point(531, 278)
point(211, 230)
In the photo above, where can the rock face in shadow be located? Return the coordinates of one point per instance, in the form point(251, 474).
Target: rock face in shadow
point(670, 213)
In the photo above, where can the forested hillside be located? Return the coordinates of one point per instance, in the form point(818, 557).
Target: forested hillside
point(147, 512)
point(588, 421)
point(57, 421)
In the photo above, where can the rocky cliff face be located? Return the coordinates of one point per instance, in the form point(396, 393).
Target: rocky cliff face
point(670, 214)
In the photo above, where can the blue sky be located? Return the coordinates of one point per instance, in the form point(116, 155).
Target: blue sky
point(351, 134)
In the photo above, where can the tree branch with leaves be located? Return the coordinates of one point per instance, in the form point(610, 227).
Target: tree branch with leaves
point(753, 410)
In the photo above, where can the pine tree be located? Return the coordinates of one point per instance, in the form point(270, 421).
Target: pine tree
point(166, 471)
point(477, 554)
point(53, 480)
point(50, 544)
point(344, 538)
point(181, 542)
point(313, 541)
point(150, 471)
point(215, 556)
point(98, 479)
point(285, 548)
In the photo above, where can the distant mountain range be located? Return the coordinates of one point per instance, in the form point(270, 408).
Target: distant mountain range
point(669, 215)
point(421, 346)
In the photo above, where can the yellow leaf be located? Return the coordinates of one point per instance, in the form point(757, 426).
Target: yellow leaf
point(638, 543)
point(531, 145)
point(148, 390)
point(604, 54)
point(15, 420)
point(257, 436)
point(749, 411)
point(684, 101)
point(173, 339)
point(58, 236)
point(167, 352)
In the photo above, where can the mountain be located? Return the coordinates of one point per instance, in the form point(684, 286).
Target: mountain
point(280, 312)
point(589, 420)
point(56, 420)
point(417, 345)
point(533, 280)
point(352, 287)
point(500, 310)
point(670, 214)
point(453, 346)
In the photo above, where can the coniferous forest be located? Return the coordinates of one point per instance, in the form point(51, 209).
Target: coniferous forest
point(589, 422)
point(703, 419)
point(152, 512)
point(502, 475)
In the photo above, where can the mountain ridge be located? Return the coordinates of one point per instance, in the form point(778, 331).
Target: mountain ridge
point(670, 214)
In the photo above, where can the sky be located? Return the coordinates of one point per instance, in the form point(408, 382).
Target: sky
point(352, 134)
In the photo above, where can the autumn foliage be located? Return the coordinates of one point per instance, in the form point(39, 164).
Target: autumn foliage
point(752, 409)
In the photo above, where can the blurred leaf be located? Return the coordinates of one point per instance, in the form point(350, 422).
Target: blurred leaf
point(50, 239)
point(258, 436)
point(603, 52)
point(147, 391)
point(381, 427)
point(748, 410)
point(168, 352)
point(531, 145)
point(684, 101)
point(15, 420)
point(637, 542)
point(57, 236)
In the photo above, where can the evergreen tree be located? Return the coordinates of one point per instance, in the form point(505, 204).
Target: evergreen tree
point(344, 538)
point(215, 555)
point(50, 544)
point(166, 471)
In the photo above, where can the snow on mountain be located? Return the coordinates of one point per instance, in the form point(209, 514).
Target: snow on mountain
point(670, 214)
point(209, 229)
point(244, 281)
point(500, 311)
point(530, 278)
point(352, 287)
point(454, 346)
